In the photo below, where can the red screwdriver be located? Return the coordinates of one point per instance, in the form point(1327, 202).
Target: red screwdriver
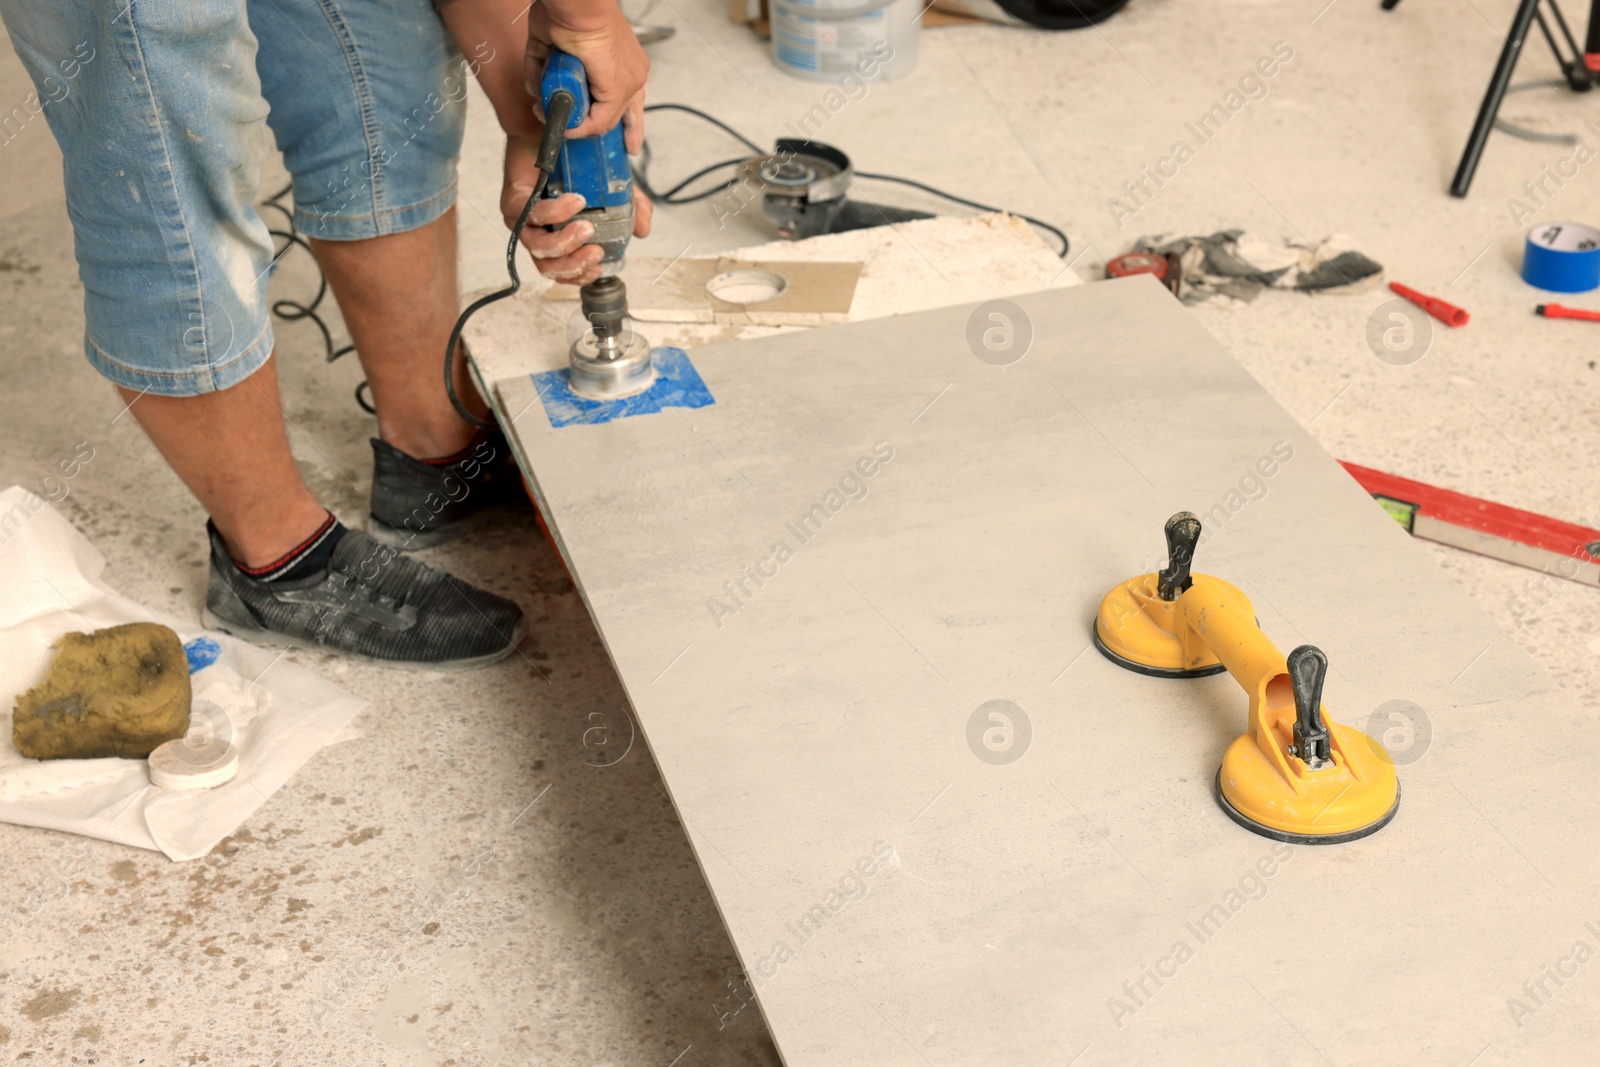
point(1556, 311)
point(1448, 314)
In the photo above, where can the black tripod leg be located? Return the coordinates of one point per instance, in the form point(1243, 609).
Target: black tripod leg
point(1491, 99)
point(1592, 42)
point(1577, 72)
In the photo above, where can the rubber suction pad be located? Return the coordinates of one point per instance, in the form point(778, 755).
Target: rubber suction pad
point(1305, 839)
point(1155, 672)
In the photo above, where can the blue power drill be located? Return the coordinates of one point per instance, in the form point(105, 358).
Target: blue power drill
point(611, 359)
point(595, 167)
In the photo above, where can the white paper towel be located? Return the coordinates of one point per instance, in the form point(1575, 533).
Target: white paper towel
point(280, 714)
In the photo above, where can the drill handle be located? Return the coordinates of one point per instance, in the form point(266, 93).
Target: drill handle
point(596, 167)
point(564, 72)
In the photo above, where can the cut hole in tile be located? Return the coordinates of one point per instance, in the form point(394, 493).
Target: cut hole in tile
point(746, 286)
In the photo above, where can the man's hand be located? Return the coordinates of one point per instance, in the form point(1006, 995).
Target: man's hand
point(598, 34)
point(561, 256)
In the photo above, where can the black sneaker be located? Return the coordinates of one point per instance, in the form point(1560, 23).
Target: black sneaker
point(418, 505)
point(371, 602)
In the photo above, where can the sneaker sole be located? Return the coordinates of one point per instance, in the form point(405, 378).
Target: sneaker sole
point(273, 639)
point(407, 540)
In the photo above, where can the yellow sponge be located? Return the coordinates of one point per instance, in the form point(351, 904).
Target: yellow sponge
point(115, 692)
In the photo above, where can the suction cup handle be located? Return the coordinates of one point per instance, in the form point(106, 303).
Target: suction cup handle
point(1308, 667)
point(1183, 533)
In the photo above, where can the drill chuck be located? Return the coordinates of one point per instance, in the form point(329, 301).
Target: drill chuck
point(605, 305)
point(609, 360)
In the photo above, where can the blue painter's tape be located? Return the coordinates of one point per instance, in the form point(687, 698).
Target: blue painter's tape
point(678, 385)
point(201, 652)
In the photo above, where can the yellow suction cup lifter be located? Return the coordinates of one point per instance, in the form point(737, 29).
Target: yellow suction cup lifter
point(1294, 775)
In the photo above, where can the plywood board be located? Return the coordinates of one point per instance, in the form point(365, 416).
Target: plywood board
point(898, 895)
point(686, 290)
point(906, 267)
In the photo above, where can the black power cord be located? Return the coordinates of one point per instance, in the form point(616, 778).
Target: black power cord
point(641, 172)
point(640, 176)
point(671, 195)
point(293, 310)
point(556, 114)
point(718, 123)
point(1048, 227)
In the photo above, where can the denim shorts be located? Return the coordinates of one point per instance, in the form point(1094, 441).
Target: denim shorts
point(162, 109)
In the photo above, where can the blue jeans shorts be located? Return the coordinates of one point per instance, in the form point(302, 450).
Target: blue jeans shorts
point(163, 110)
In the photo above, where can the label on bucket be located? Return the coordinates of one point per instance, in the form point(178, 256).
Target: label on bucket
point(828, 41)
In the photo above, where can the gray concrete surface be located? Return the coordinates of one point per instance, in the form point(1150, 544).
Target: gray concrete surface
point(358, 918)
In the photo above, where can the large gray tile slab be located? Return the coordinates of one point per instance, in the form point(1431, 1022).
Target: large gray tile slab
point(825, 723)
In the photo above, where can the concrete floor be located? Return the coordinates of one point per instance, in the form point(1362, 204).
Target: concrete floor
point(400, 901)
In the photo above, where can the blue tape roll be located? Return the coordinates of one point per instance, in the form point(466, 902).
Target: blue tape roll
point(1563, 257)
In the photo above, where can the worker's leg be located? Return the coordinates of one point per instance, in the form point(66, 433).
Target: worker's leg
point(160, 115)
point(399, 298)
point(160, 174)
point(230, 448)
point(373, 157)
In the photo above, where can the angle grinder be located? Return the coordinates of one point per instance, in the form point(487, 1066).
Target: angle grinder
point(803, 186)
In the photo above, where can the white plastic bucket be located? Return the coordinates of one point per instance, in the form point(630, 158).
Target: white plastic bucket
point(824, 40)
